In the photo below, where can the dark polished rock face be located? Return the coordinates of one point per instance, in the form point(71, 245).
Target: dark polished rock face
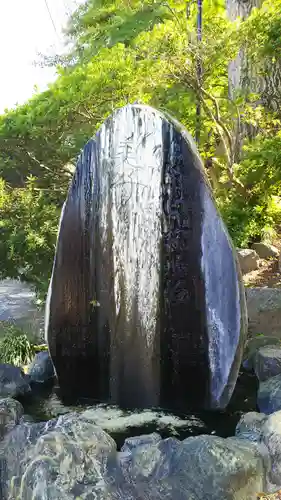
point(146, 305)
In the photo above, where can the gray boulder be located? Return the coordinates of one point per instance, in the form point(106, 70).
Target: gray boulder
point(264, 311)
point(248, 260)
point(271, 437)
point(265, 250)
point(13, 382)
point(197, 468)
point(65, 458)
point(41, 369)
point(252, 346)
point(70, 457)
point(266, 431)
point(269, 395)
point(267, 362)
point(250, 426)
point(11, 412)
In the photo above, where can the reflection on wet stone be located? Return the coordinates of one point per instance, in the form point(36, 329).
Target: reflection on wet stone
point(146, 305)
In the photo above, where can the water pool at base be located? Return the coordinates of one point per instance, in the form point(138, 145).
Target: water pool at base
point(120, 423)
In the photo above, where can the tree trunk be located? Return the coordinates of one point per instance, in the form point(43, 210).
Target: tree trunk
point(243, 76)
point(240, 74)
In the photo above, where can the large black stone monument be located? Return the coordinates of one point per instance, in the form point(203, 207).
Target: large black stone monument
point(146, 305)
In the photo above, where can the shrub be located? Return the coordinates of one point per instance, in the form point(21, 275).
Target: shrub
point(28, 225)
point(16, 347)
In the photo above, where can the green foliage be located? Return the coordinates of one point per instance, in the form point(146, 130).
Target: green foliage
point(253, 215)
point(28, 222)
point(15, 346)
point(98, 24)
point(9, 328)
point(43, 137)
point(249, 222)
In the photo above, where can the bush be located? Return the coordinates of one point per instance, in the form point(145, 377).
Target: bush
point(255, 215)
point(15, 347)
point(28, 224)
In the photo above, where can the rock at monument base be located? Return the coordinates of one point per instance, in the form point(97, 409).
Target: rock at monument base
point(264, 311)
point(271, 437)
point(197, 468)
point(252, 346)
point(267, 362)
point(266, 431)
point(11, 412)
point(146, 304)
point(41, 370)
point(65, 458)
point(250, 426)
point(13, 382)
point(70, 457)
point(269, 395)
point(248, 260)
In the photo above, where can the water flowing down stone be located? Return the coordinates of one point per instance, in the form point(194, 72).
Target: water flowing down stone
point(146, 305)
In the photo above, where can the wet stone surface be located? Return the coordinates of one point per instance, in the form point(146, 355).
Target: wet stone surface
point(146, 304)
